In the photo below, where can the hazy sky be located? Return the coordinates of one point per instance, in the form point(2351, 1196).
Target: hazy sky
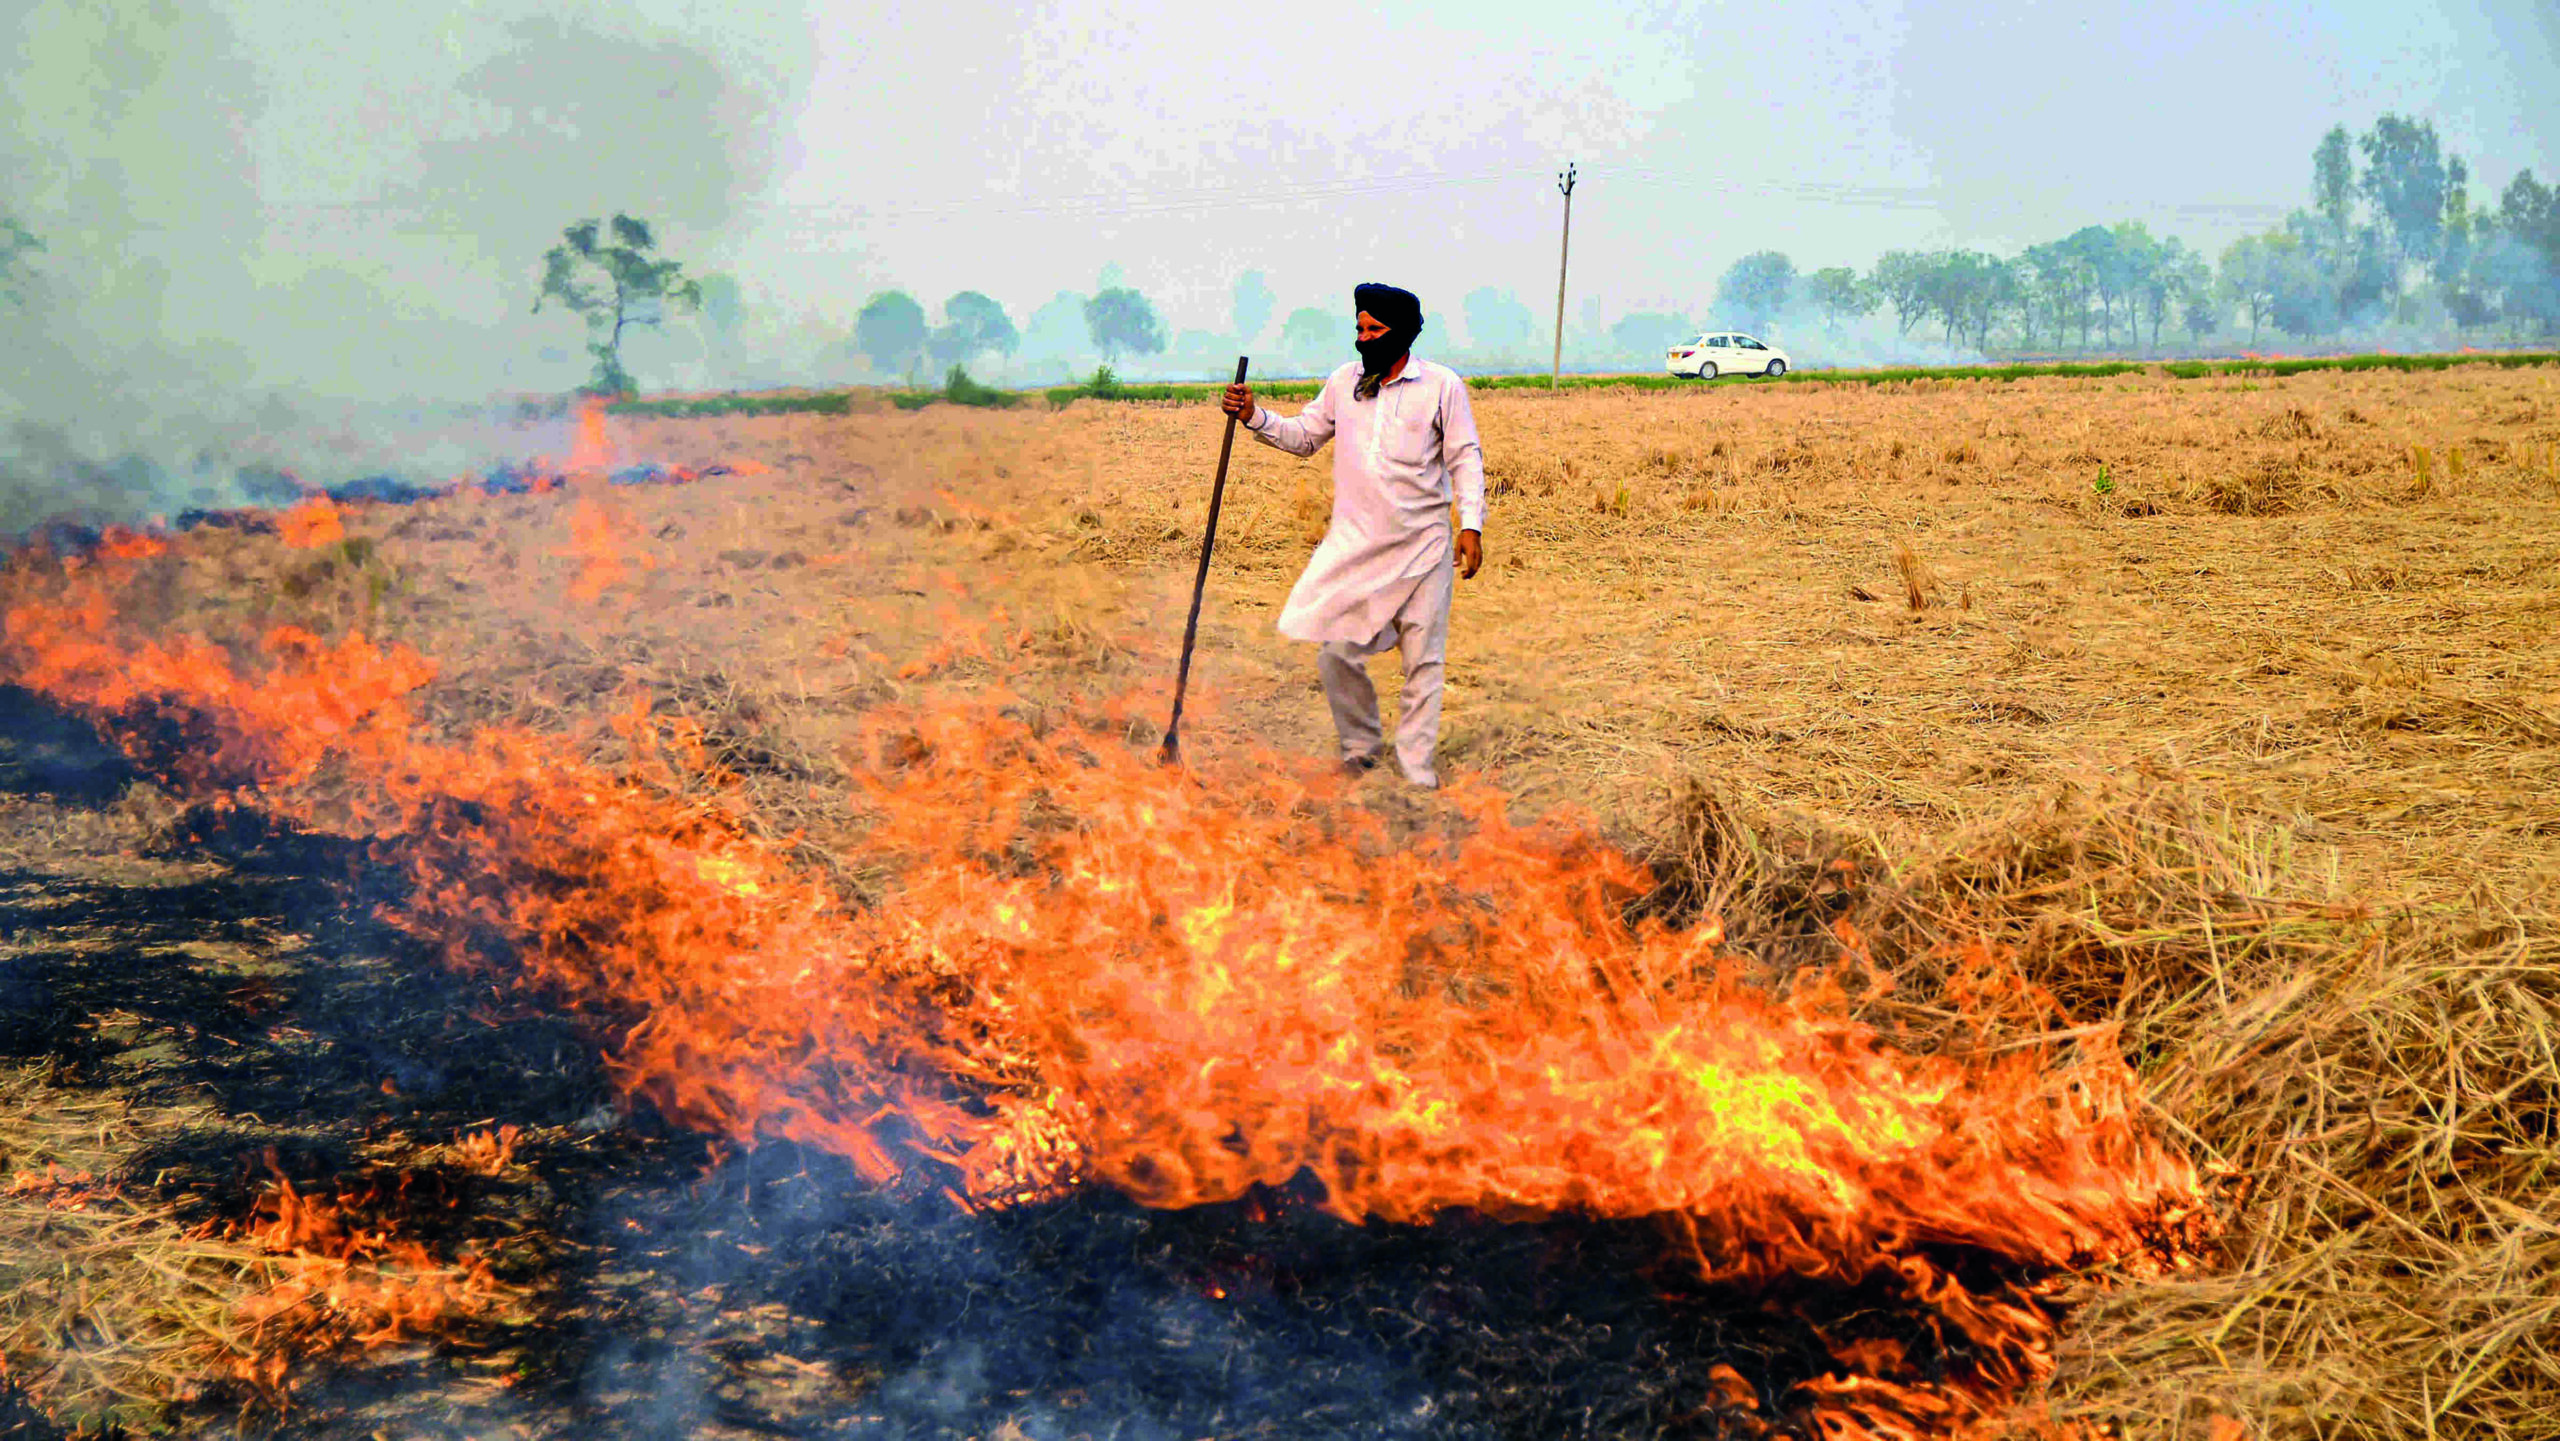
point(952, 143)
point(355, 199)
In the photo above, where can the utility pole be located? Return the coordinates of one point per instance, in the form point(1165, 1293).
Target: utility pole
point(1564, 250)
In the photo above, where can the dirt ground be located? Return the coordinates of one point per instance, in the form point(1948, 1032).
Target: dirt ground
point(2322, 612)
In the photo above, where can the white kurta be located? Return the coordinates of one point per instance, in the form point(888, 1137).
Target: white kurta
point(1397, 459)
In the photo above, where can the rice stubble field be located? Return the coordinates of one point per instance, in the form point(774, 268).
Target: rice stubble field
point(2229, 708)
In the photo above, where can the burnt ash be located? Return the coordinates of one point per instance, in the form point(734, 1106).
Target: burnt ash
point(45, 752)
point(269, 492)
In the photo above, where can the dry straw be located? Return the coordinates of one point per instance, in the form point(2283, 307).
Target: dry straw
point(2375, 1089)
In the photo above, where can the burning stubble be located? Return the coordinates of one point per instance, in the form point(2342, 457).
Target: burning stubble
point(1090, 970)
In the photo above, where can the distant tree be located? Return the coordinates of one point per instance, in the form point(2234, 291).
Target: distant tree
point(2304, 300)
point(2150, 270)
point(1968, 291)
point(972, 324)
point(613, 286)
point(1649, 333)
point(2522, 262)
point(2406, 177)
point(1902, 278)
point(2057, 278)
point(1839, 294)
point(2517, 283)
point(2141, 264)
point(2333, 182)
point(2198, 311)
point(1756, 287)
point(1498, 324)
point(1253, 305)
point(1311, 332)
point(2529, 211)
point(2252, 274)
point(2453, 253)
point(1121, 322)
point(890, 332)
point(2360, 274)
point(2098, 253)
point(2468, 296)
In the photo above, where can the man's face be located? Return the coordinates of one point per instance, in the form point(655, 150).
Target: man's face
point(1369, 327)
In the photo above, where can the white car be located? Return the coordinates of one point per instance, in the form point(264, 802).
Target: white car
point(1725, 352)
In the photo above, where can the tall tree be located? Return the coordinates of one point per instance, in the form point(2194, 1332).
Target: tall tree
point(2058, 276)
point(2099, 254)
point(972, 324)
point(890, 332)
point(613, 286)
point(1253, 305)
point(1902, 278)
point(2530, 211)
point(1839, 294)
point(1121, 322)
point(2150, 267)
point(2405, 176)
point(2304, 299)
point(2524, 263)
point(2252, 269)
point(1756, 287)
point(2333, 181)
point(2453, 256)
point(2197, 310)
point(1968, 291)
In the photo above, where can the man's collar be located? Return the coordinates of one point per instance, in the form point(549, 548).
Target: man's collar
point(1412, 368)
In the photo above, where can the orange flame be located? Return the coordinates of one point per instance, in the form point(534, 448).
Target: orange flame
point(591, 453)
point(341, 1280)
point(597, 541)
point(122, 544)
point(311, 523)
point(1092, 969)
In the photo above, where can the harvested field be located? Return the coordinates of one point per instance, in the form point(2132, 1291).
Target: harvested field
point(2225, 710)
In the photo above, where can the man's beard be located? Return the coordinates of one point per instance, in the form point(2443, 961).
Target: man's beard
point(1377, 357)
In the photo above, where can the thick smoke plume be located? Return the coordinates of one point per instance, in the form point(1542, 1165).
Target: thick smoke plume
point(280, 234)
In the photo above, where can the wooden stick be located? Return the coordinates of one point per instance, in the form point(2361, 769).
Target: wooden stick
point(1172, 752)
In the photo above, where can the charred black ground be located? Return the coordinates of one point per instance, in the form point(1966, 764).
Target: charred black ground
point(676, 1289)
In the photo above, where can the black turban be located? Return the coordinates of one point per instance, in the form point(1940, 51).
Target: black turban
point(1397, 310)
point(1400, 311)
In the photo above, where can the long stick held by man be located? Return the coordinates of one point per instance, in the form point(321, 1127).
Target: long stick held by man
point(1405, 446)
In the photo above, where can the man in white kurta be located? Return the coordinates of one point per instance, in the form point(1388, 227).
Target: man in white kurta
point(1405, 447)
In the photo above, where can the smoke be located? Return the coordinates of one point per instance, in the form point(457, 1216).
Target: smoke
point(308, 235)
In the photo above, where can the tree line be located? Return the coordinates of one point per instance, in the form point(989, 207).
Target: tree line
point(2391, 237)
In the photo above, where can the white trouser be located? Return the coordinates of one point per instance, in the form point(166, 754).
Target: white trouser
point(1420, 631)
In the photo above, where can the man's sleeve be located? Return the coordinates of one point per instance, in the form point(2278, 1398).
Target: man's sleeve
point(1463, 453)
point(1300, 434)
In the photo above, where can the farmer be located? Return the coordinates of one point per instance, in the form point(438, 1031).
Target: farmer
point(1382, 577)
